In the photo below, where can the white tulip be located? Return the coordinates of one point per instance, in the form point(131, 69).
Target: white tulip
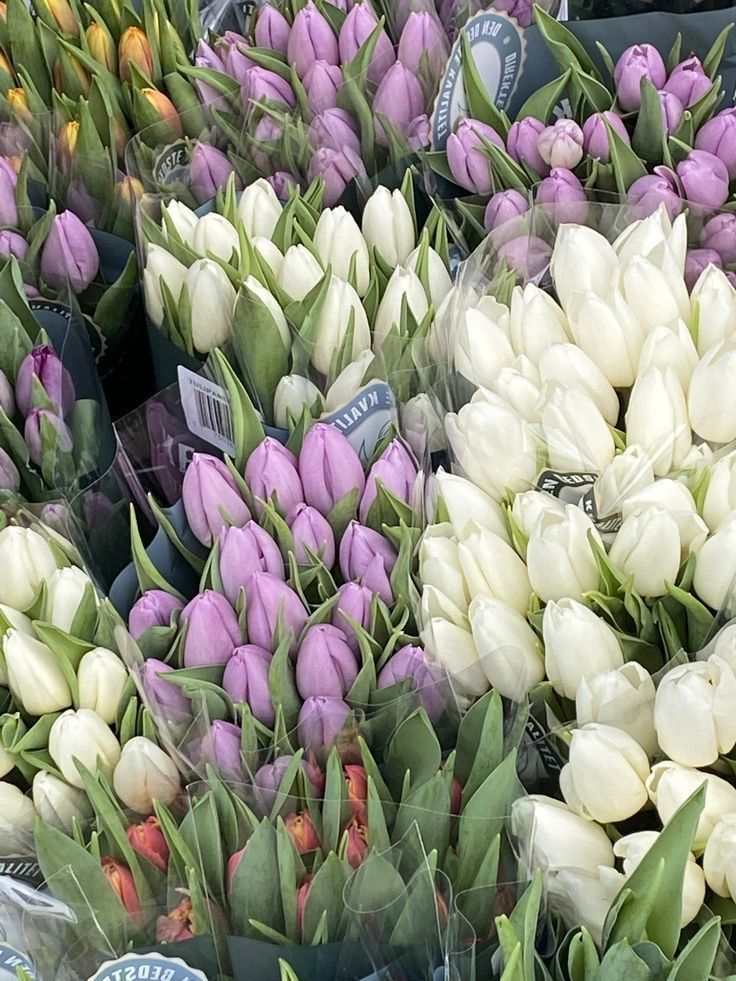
point(570, 367)
point(388, 226)
point(349, 382)
point(674, 497)
point(439, 564)
point(403, 283)
point(21, 623)
point(161, 265)
point(82, 736)
point(215, 234)
point(497, 313)
point(720, 494)
point(671, 784)
point(17, 812)
point(422, 426)
point(659, 240)
point(719, 859)
point(648, 547)
point(259, 209)
point(452, 647)
point(528, 508)
point(657, 419)
point(693, 712)
point(604, 779)
point(494, 447)
point(670, 347)
point(436, 605)
point(492, 568)
point(28, 555)
point(711, 399)
point(102, 676)
point(144, 774)
point(608, 332)
point(715, 567)
point(632, 849)
point(724, 645)
point(583, 262)
point(624, 698)
point(509, 650)
point(468, 506)
point(257, 292)
point(578, 438)
point(552, 836)
point(714, 308)
point(183, 219)
point(582, 897)
point(65, 591)
point(212, 298)
point(536, 322)
point(650, 295)
point(337, 239)
point(559, 557)
point(628, 474)
point(34, 675)
point(58, 804)
point(518, 387)
point(481, 348)
point(440, 283)
point(269, 254)
point(578, 645)
point(300, 272)
point(341, 305)
point(293, 392)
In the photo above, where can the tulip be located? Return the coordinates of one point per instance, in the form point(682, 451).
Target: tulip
point(561, 145)
point(356, 844)
point(714, 305)
point(470, 508)
point(209, 493)
point(81, 736)
point(246, 681)
point(715, 567)
point(28, 554)
point(144, 775)
point(338, 241)
point(657, 419)
point(102, 678)
point(569, 366)
point(268, 778)
point(155, 608)
point(148, 840)
point(261, 85)
point(334, 129)
point(212, 630)
point(7, 394)
point(399, 99)
point(273, 257)
point(329, 467)
point(560, 560)
point(322, 83)
point(312, 534)
point(583, 262)
point(366, 556)
point(102, 46)
point(622, 697)
point(440, 282)
point(440, 566)
point(269, 600)
point(632, 849)
point(212, 298)
point(396, 471)
point(302, 832)
point(428, 680)
point(233, 48)
point(267, 138)
point(121, 881)
point(423, 44)
point(209, 170)
point(354, 603)
point(614, 319)
point(301, 902)
point(388, 226)
point(166, 697)
point(698, 261)
point(553, 837)
point(244, 551)
point(492, 568)
point(311, 39)
point(719, 234)
point(421, 425)
point(337, 168)
point(356, 782)
point(271, 475)
point(17, 813)
point(648, 193)
point(65, 591)
point(321, 720)
point(595, 135)
point(720, 494)
point(718, 137)
point(348, 383)
point(578, 646)
point(44, 364)
point(58, 804)
point(605, 778)
point(669, 348)
point(704, 178)
point(43, 424)
point(671, 784)
point(340, 308)
point(134, 49)
point(577, 436)
point(272, 30)
point(688, 82)
point(467, 158)
point(325, 664)
point(452, 647)
point(672, 111)
point(536, 322)
point(509, 651)
point(12, 244)
point(563, 195)
point(34, 674)
point(504, 207)
point(293, 393)
point(648, 547)
point(637, 62)
point(523, 144)
point(69, 254)
point(64, 16)
point(161, 265)
point(300, 272)
point(266, 305)
point(221, 749)
point(9, 475)
point(718, 864)
point(178, 925)
point(18, 101)
point(711, 400)
point(259, 209)
point(402, 284)
point(357, 27)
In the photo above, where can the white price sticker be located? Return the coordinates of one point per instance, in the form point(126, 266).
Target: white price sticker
point(207, 410)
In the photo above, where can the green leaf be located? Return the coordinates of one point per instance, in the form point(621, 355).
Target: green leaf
point(480, 104)
point(540, 104)
point(567, 51)
point(413, 749)
point(712, 60)
point(324, 899)
point(697, 957)
point(335, 808)
point(256, 891)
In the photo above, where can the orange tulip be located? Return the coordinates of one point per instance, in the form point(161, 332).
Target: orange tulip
point(64, 16)
point(121, 882)
point(102, 46)
point(357, 783)
point(301, 901)
point(134, 49)
point(165, 108)
point(303, 833)
point(19, 103)
point(148, 840)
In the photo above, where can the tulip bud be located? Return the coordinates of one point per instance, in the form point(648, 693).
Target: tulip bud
point(7, 395)
point(302, 832)
point(17, 813)
point(711, 406)
point(509, 651)
point(440, 283)
point(596, 141)
point(637, 62)
point(439, 565)
point(337, 240)
point(212, 630)
point(671, 784)
point(212, 297)
point(349, 382)
point(311, 39)
point(259, 209)
point(337, 168)
point(58, 804)
point(261, 85)
point(505, 207)
point(720, 495)
point(648, 193)
point(366, 557)
point(148, 840)
point(718, 137)
point(69, 254)
point(561, 145)
point(719, 234)
point(164, 109)
point(155, 608)
point(325, 664)
point(167, 698)
point(246, 681)
point(101, 46)
point(39, 420)
point(18, 102)
point(578, 438)
point(329, 467)
point(569, 366)
point(563, 196)
point(357, 27)
point(272, 30)
point(134, 49)
point(64, 16)
point(428, 680)
point(340, 309)
point(221, 749)
point(718, 862)
point(9, 475)
point(423, 44)
point(122, 884)
point(82, 736)
point(527, 255)
point(523, 144)
point(102, 678)
point(388, 226)
point(632, 849)
point(623, 698)
point(560, 560)
point(604, 779)
point(356, 846)
point(244, 551)
point(688, 82)
point(467, 158)
point(300, 272)
point(271, 474)
point(578, 646)
point(396, 471)
point(269, 600)
point(399, 99)
point(620, 360)
point(354, 602)
point(469, 508)
point(492, 568)
point(293, 393)
point(66, 589)
point(28, 554)
point(334, 129)
point(273, 257)
point(322, 83)
point(268, 778)
point(697, 262)
point(704, 179)
point(321, 719)
point(209, 491)
point(716, 566)
point(160, 264)
point(214, 234)
point(453, 648)
point(34, 674)
point(145, 774)
point(312, 534)
point(553, 837)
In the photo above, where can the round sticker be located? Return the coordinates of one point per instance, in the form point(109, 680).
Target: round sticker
point(10, 960)
point(147, 967)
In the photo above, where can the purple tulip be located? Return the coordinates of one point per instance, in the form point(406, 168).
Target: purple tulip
point(167, 697)
point(403, 9)
point(13, 244)
point(528, 255)
point(357, 27)
point(69, 254)
point(7, 397)
point(688, 82)
point(637, 62)
point(313, 532)
point(207, 57)
point(329, 467)
point(44, 364)
point(505, 208)
point(31, 292)
point(32, 433)
point(336, 168)
point(261, 85)
point(282, 182)
point(322, 84)
point(419, 133)
point(704, 179)
point(321, 719)
point(83, 204)
point(209, 170)
point(9, 476)
point(269, 777)
point(325, 665)
point(564, 196)
point(467, 158)
point(697, 261)
point(221, 748)
point(56, 516)
point(244, 551)
point(521, 10)
point(719, 233)
point(429, 680)
point(213, 631)
point(595, 134)
point(246, 680)
point(423, 44)
point(647, 193)
point(272, 29)
point(155, 608)
point(334, 129)
point(208, 492)
point(97, 508)
point(232, 48)
point(311, 39)
point(561, 145)
point(271, 474)
point(672, 110)
point(523, 144)
point(268, 600)
point(266, 138)
point(399, 98)
point(354, 602)
point(718, 137)
point(368, 558)
point(8, 207)
point(396, 471)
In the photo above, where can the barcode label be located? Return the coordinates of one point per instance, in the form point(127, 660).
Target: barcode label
point(207, 410)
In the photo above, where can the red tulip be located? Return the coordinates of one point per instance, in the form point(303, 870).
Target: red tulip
point(357, 844)
point(121, 881)
point(301, 900)
point(148, 840)
point(303, 833)
point(178, 925)
point(357, 781)
point(233, 863)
